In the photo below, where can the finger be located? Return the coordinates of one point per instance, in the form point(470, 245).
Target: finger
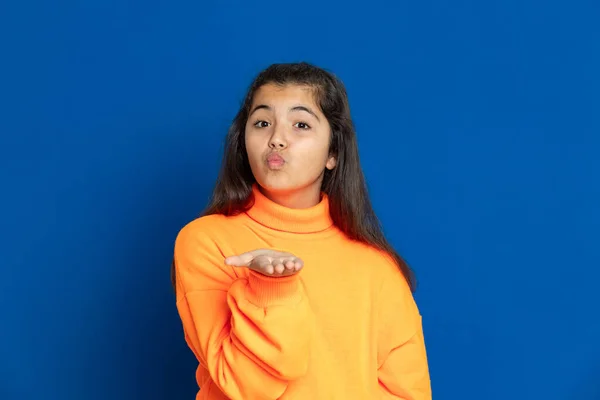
point(279, 268)
point(290, 265)
point(298, 264)
point(268, 269)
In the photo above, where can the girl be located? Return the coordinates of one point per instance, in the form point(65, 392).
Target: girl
point(286, 286)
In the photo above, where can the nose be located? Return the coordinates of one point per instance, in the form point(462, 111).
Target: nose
point(277, 141)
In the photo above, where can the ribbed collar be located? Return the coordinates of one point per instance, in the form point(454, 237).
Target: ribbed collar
point(294, 220)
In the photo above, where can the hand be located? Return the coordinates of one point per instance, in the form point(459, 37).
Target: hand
point(267, 262)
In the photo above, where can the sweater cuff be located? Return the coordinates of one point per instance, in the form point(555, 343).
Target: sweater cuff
point(267, 290)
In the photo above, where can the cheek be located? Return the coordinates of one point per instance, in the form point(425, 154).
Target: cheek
point(252, 147)
point(315, 155)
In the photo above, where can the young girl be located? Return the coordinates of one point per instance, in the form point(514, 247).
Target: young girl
point(286, 286)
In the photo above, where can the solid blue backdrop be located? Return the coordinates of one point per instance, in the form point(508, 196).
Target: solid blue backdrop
point(479, 134)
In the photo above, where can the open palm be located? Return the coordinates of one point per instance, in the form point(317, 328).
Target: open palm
point(267, 262)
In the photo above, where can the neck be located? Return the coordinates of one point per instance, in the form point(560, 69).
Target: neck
point(315, 218)
point(296, 199)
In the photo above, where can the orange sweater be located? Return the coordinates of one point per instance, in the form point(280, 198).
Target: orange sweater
point(345, 327)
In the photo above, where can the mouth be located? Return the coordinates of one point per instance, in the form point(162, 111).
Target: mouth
point(275, 161)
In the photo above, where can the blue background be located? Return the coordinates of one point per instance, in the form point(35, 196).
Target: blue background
point(478, 125)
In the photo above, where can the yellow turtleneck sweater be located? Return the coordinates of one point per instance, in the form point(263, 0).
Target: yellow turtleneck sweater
point(345, 327)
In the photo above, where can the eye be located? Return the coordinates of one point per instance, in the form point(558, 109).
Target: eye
point(302, 125)
point(261, 124)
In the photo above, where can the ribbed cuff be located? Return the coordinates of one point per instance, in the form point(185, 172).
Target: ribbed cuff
point(267, 290)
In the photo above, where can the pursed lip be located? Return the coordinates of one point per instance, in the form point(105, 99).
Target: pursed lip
point(275, 157)
point(275, 160)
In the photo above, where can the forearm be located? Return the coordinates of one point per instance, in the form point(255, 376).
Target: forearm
point(254, 337)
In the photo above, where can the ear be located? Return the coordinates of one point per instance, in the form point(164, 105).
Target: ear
point(331, 162)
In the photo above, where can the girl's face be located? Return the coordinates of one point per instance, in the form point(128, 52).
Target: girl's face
point(287, 140)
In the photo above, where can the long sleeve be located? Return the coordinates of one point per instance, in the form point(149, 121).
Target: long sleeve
point(403, 368)
point(251, 333)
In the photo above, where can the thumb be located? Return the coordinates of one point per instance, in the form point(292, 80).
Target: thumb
point(242, 260)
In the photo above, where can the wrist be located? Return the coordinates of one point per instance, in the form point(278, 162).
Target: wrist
point(265, 289)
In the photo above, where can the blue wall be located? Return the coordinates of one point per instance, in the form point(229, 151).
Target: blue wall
point(479, 131)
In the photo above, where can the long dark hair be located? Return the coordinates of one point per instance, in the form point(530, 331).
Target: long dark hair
point(350, 206)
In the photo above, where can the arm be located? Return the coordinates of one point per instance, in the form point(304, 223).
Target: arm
point(403, 369)
point(251, 334)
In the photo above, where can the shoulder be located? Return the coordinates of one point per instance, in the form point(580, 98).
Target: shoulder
point(207, 227)
point(201, 223)
point(382, 264)
point(198, 254)
point(387, 272)
point(376, 264)
point(202, 235)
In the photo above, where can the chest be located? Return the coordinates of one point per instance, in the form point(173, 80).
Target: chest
point(340, 277)
point(340, 282)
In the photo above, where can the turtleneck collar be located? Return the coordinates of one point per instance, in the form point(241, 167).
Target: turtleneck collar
point(294, 220)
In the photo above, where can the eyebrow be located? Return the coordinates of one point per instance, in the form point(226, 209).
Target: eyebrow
point(295, 108)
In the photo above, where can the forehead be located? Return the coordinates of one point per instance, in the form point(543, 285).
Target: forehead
point(271, 94)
